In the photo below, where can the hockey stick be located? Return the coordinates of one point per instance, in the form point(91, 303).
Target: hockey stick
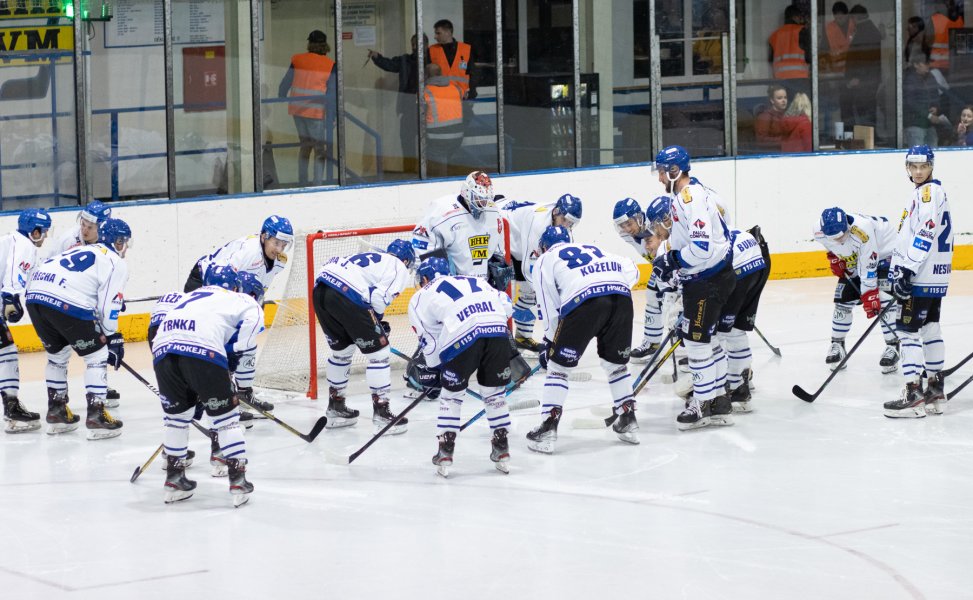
point(653, 358)
point(953, 369)
point(351, 457)
point(773, 348)
point(884, 322)
point(510, 390)
point(307, 437)
point(140, 470)
point(803, 395)
point(959, 388)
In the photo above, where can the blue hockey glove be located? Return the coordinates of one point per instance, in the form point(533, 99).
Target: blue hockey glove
point(902, 283)
point(13, 310)
point(499, 273)
point(544, 353)
point(429, 379)
point(664, 266)
point(116, 350)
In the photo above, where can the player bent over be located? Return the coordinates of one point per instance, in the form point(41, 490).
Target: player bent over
point(74, 299)
point(192, 349)
point(859, 249)
point(18, 257)
point(630, 225)
point(585, 294)
point(462, 327)
point(701, 254)
point(921, 264)
point(351, 295)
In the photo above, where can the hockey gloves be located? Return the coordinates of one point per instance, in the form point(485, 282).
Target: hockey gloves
point(544, 352)
point(499, 273)
point(116, 350)
point(902, 283)
point(428, 378)
point(871, 303)
point(838, 266)
point(524, 315)
point(13, 310)
point(665, 265)
point(385, 327)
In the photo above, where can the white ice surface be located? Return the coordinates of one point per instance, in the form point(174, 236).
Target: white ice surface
point(827, 500)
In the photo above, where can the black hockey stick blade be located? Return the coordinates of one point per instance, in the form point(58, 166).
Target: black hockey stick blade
point(953, 369)
point(140, 470)
point(800, 393)
point(307, 437)
point(959, 388)
point(135, 475)
point(316, 430)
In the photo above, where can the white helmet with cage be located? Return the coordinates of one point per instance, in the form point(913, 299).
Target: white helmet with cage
point(477, 191)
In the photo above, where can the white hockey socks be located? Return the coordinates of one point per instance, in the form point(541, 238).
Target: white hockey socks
point(230, 434)
point(526, 300)
point(378, 374)
point(841, 320)
point(702, 364)
point(495, 404)
point(9, 370)
point(56, 371)
point(175, 433)
point(555, 388)
point(912, 356)
point(450, 408)
point(721, 364)
point(739, 357)
point(933, 347)
point(339, 365)
point(96, 373)
point(620, 384)
point(652, 329)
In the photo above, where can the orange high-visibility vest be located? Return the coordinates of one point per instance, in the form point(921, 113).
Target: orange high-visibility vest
point(456, 72)
point(939, 55)
point(311, 72)
point(839, 41)
point(789, 60)
point(444, 107)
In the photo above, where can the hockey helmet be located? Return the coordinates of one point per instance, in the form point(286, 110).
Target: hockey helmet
point(116, 234)
point(223, 276)
point(247, 283)
point(402, 250)
point(431, 268)
point(477, 191)
point(628, 217)
point(919, 154)
point(554, 235)
point(278, 227)
point(659, 210)
point(569, 207)
point(834, 222)
point(96, 212)
point(31, 219)
point(672, 160)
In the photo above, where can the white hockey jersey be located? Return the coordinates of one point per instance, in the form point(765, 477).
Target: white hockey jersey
point(208, 323)
point(699, 232)
point(716, 199)
point(870, 240)
point(70, 239)
point(18, 256)
point(452, 312)
point(245, 254)
point(568, 274)
point(469, 243)
point(370, 280)
point(924, 243)
point(747, 257)
point(527, 222)
point(86, 282)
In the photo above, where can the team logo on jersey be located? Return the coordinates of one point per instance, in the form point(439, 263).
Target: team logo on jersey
point(479, 247)
point(24, 266)
point(686, 196)
point(930, 224)
point(926, 193)
point(505, 374)
point(420, 230)
point(699, 224)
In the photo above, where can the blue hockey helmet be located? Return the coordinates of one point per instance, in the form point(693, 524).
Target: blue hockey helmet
point(278, 227)
point(628, 217)
point(659, 210)
point(834, 222)
point(96, 212)
point(431, 268)
point(116, 234)
point(223, 276)
point(554, 235)
point(569, 207)
point(247, 283)
point(919, 154)
point(31, 219)
point(673, 160)
point(403, 251)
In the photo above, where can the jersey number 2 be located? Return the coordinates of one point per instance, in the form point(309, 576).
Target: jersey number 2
point(944, 245)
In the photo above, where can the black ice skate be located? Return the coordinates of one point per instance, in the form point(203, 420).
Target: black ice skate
point(527, 343)
point(500, 450)
point(112, 397)
point(443, 458)
point(217, 462)
point(246, 419)
point(188, 459)
point(339, 415)
point(101, 425)
point(382, 416)
point(721, 410)
point(935, 396)
point(643, 353)
point(177, 487)
point(18, 418)
point(239, 486)
point(255, 402)
point(911, 405)
point(626, 427)
point(890, 358)
point(543, 437)
point(696, 415)
point(59, 417)
point(836, 354)
point(740, 397)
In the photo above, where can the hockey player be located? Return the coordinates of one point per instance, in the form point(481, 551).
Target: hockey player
point(263, 255)
point(196, 341)
point(859, 249)
point(74, 299)
point(527, 221)
point(584, 294)
point(921, 264)
point(18, 257)
point(462, 328)
point(699, 251)
point(86, 232)
point(351, 296)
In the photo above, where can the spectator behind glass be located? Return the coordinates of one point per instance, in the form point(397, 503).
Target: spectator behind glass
point(863, 72)
point(708, 53)
point(797, 123)
point(964, 129)
point(769, 124)
point(838, 34)
point(915, 42)
point(789, 47)
point(405, 104)
point(920, 104)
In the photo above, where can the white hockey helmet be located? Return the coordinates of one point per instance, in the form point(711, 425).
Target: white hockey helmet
point(478, 192)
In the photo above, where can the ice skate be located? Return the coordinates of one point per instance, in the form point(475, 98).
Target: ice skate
point(339, 415)
point(626, 427)
point(112, 397)
point(217, 462)
point(18, 419)
point(740, 397)
point(543, 437)
point(911, 405)
point(188, 459)
point(527, 343)
point(177, 486)
point(246, 419)
point(101, 425)
point(696, 415)
point(382, 416)
point(59, 416)
point(890, 358)
point(644, 352)
point(683, 387)
point(683, 364)
point(721, 410)
point(259, 404)
point(935, 394)
point(240, 488)
point(836, 354)
point(500, 450)
point(443, 459)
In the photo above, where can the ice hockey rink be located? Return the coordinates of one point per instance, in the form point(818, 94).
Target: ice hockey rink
point(796, 500)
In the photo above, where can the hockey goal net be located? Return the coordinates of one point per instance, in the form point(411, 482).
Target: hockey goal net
point(294, 354)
